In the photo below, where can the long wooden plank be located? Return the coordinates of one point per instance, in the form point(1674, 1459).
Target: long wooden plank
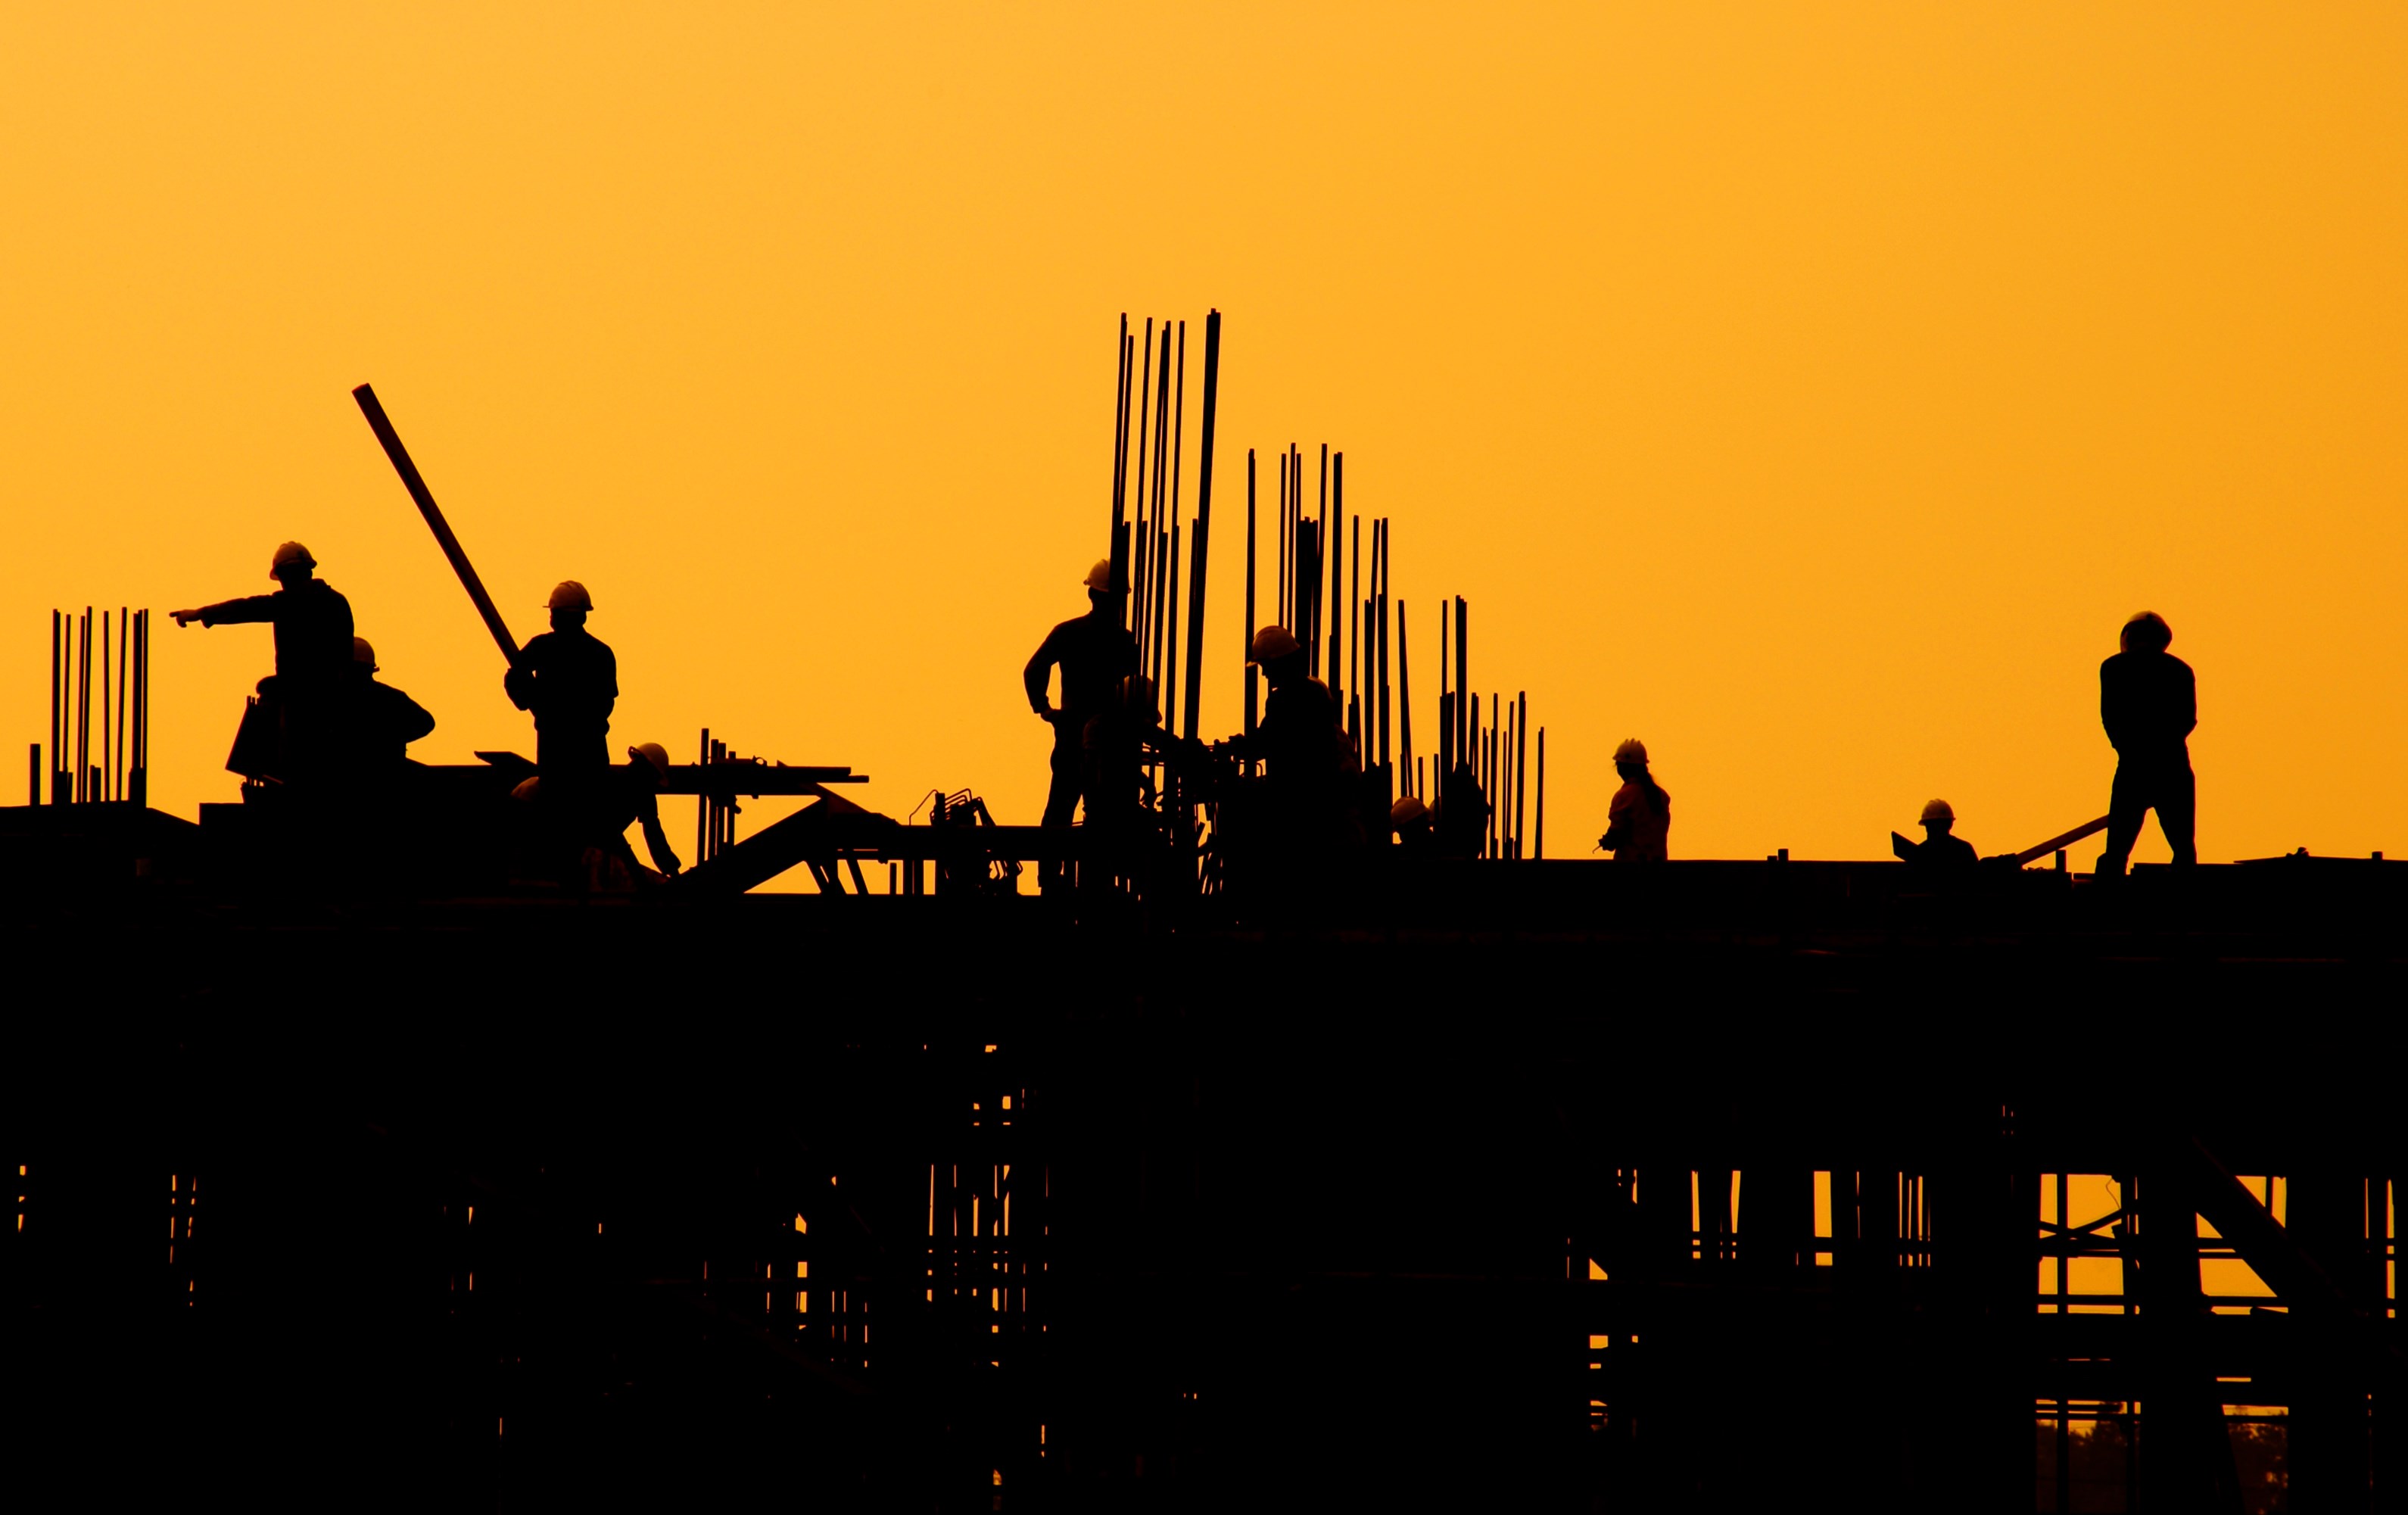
point(411, 480)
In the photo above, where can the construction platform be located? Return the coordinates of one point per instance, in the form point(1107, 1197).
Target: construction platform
point(1554, 1186)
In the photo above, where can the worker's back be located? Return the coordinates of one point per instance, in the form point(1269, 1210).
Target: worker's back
point(1640, 818)
point(572, 683)
point(2148, 701)
point(1095, 652)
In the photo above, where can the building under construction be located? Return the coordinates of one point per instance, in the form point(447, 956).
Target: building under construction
point(1494, 1181)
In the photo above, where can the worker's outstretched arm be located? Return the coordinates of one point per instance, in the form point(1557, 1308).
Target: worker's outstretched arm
point(250, 608)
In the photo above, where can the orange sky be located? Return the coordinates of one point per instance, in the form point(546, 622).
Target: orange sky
point(1811, 391)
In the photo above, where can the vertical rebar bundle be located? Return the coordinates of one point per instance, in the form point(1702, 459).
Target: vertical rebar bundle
point(117, 769)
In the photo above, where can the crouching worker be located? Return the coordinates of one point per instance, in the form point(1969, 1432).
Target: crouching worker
point(633, 798)
point(581, 830)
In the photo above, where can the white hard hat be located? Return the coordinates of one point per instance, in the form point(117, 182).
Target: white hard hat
point(362, 653)
point(569, 595)
point(1099, 578)
point(1938, 811)
point(652, 753)
point(1632, 751)
point(1407, 810)
point(289, 554)
point(527, 790)
point(1272, 643)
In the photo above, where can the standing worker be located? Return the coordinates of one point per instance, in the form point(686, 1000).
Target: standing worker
point(2148, 700)
point(1095, 652)
point(383, 720)
point(304, 697)
point(1639, 822)
point(570, 680)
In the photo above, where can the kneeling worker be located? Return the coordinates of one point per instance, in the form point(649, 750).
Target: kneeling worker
point(1639, 822)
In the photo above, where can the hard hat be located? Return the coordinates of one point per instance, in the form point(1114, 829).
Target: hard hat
point(1938, 811)
point(527, 790)
point(1137, 693)
point(2147, 629)
point(288, 554)
point(569, 595)
point(1099, 578)
point(652, 753)
point(1632, 751)
point(1272, 643)
point(362, 653)
point(1407, 810)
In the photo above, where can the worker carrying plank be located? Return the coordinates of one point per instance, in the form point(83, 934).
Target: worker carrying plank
point(295, 733)
point(1638, 821)
point(1941, 854)
point(570, 678)
point(1095, 652)
point(2148, 700)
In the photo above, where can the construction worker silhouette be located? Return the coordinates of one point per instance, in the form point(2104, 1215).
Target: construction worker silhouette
point(1305, 756)
point(2148, 700)
point(383, 720)
point(633, 798)
point(1639, 822)
point(1459, 820)
point(303, 703)
point(1120, 745)
point(570, 680)
point(1414, 824)
point(1095, 652)
point(1940, 854)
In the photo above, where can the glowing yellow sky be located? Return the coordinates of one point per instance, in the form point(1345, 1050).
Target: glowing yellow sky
point(1810, 390)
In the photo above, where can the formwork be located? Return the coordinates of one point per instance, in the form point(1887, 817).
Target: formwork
point(1554, 1186)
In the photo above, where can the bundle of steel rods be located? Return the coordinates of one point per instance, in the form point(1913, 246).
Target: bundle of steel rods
point(1149, 537)
point(1322, 584)
point(118, 768)
point(1494, 754)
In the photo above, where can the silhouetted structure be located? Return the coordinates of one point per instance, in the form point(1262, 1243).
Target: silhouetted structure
point(305, 702)
point(2148, 700)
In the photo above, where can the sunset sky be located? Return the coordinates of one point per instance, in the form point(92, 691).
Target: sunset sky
point(1811, 391)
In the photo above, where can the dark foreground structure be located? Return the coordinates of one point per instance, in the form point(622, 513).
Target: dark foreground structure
point(1526, 1185)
